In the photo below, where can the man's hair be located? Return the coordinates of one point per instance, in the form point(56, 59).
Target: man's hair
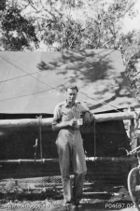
point(72, 87)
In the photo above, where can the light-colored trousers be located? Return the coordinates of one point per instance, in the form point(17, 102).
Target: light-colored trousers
point(70, 149)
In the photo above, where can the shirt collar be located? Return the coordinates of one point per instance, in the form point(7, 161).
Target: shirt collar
point(67, 104)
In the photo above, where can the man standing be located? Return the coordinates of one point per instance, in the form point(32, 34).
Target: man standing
point(67, 119)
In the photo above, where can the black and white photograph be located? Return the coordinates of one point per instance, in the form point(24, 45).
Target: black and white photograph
point(69, 105)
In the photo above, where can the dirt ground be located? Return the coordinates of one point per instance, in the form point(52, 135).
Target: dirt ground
point(44, 194)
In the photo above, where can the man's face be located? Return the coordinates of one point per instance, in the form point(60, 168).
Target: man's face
point(71, 95)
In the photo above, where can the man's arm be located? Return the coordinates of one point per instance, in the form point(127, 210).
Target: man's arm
point(88, 117)
point(58, 124)
point(63, 125)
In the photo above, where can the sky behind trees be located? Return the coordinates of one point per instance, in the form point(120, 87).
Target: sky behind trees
point(132, 23)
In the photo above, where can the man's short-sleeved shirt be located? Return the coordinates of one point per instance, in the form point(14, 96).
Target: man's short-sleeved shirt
point(63, 112)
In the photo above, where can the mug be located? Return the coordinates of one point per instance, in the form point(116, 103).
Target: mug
point(80, 122)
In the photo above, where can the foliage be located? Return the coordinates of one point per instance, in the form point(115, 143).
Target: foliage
point(52, 22)
point(104, 30)
point(66, 33)
point(133, 72)
point(17, 32)
point(2, 4)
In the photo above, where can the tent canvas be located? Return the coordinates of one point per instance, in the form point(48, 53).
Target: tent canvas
point(34, 82)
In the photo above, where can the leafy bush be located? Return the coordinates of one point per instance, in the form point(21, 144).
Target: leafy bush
point(17, 32)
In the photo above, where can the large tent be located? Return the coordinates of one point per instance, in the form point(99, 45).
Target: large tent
point(34, 82)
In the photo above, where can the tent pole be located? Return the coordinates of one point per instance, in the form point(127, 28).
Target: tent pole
point(94, 131)
point(46, 122)
point(55, 160)
point(40, 136)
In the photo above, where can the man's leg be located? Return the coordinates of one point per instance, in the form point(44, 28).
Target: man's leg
point(64, 162)
point(80, 169)
point(78, 188)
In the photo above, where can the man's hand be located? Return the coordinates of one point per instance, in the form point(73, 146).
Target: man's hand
point(88, 118)
point(73, 123)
